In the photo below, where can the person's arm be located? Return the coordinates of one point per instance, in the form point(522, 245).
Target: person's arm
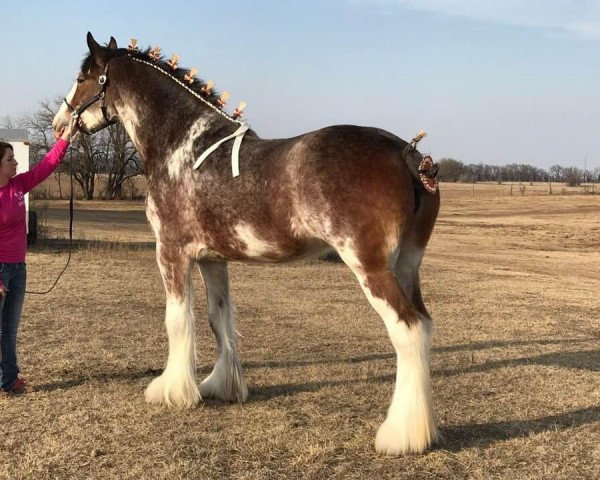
point(39, 173)
point(51, 161)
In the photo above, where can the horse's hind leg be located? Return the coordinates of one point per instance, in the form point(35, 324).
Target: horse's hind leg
point(410, 425)
point(405, 264)
point(177, 384)
point(226, 382)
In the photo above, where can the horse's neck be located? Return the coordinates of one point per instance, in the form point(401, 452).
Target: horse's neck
point(158, 124)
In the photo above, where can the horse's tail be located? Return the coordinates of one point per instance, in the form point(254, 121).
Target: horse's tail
point(422, 168)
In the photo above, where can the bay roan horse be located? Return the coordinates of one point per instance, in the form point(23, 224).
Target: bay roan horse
point(349, 188)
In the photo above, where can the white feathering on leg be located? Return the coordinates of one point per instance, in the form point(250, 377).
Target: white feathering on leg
point(410, 424)
point(177, 384)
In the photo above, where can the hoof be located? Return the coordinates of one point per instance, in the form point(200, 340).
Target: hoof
point(396, 439)
point(165, 390)
point(224, 389)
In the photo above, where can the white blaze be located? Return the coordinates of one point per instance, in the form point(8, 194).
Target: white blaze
point(62, 118)
point(91, 118)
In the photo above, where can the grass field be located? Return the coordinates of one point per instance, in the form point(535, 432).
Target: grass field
point(511, 281)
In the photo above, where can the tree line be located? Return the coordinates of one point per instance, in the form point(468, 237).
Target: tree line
point(109, 153)
point(112, 154)
point(452, 170)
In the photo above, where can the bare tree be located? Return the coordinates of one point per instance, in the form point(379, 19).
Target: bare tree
point(123, 163)
point(86, 159)
point(450, 169)
point(41, 136)
point(7, 122)
point(556, 173)
point(572, 176)
point(108, 152)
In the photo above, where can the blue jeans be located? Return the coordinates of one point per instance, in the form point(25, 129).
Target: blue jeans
point(14, 277)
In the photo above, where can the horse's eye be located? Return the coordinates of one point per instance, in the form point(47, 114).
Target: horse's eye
point(80, 79)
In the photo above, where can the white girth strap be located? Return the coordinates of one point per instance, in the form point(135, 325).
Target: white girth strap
point(235, 153)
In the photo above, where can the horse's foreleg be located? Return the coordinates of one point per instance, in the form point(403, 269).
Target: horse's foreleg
point(410, 425)
point(177, 384)
point(226, 382)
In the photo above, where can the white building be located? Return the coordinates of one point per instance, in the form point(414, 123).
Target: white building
point(19, 139)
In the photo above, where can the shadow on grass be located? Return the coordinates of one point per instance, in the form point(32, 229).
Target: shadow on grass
point(259, 394)
point(387, 356)
point(485, 434)
point(582, 360)
point(455, 438)
point(507, 343)
point(97, 377)
point(585, 360)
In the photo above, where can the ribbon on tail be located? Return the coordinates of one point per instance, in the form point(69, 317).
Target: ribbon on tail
point(428, 174)
point(427, 170)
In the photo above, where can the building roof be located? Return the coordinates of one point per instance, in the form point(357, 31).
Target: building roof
point(14, 135)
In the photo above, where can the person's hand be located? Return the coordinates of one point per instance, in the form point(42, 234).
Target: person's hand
point(3, 291)
point(70, 132)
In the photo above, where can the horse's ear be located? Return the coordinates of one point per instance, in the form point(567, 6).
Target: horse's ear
point(112, 44)
point(95, 49)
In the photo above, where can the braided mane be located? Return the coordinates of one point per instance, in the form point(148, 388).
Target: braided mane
point(178, 74)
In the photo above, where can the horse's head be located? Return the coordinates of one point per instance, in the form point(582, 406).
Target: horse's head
point(87, 99)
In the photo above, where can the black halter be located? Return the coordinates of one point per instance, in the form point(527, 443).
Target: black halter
point(100, 96)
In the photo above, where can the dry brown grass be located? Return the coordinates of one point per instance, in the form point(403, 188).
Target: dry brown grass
point(512, 283)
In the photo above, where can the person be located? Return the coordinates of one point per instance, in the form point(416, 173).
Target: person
point(13, 245)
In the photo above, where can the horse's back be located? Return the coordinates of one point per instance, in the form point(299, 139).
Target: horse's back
point(296, 195)
point(347, 178)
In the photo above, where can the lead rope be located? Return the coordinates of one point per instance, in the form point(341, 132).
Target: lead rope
point(70, 233)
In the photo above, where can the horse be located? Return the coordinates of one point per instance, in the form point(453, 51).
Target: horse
point(360, 191)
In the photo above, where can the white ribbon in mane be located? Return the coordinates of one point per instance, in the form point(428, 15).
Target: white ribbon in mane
point(235, 152)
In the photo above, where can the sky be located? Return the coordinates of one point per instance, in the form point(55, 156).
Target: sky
point(492, 82)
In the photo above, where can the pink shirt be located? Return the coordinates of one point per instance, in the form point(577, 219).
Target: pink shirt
point(13, 229)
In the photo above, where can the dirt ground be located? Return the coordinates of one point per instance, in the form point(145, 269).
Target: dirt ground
point(512, 283)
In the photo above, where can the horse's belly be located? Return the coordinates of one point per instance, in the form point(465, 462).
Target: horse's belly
point(245, 246)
